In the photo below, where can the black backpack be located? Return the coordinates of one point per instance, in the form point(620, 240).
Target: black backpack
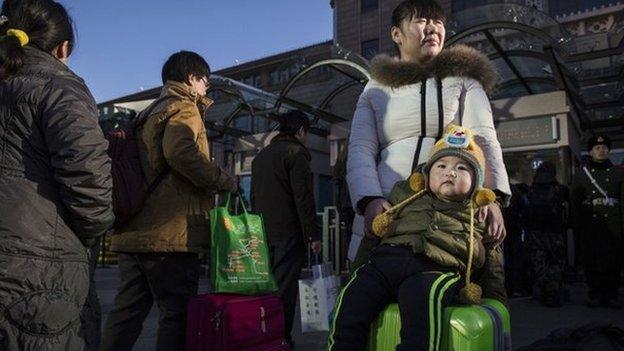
point(130, 188)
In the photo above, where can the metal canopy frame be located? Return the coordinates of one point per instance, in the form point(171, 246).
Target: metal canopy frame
point(320, 111)
point(555, 50)
point(346, 66)
point(238, 99)
point(512, 31)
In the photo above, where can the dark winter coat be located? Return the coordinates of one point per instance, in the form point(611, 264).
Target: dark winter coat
point(55, 198)
point(282, 190)
point(515, 214)
point(599, 225)
point(548, 203)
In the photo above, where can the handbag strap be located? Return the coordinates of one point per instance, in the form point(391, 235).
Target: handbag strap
point(141, 119)
point(228, 199)
point(440, 109)
point(423, 118)
point(423, 123)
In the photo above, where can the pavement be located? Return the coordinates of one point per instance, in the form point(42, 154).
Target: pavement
point(529, 320)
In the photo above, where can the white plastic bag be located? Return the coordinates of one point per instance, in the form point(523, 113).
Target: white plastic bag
point(317, 297)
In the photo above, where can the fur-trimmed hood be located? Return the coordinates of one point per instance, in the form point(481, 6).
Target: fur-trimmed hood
point(456, 61)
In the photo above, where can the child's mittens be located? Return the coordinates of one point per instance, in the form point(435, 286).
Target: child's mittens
point(382, 224)
point(470, 294)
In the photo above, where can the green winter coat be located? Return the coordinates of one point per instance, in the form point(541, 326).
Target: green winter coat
point(440, 230)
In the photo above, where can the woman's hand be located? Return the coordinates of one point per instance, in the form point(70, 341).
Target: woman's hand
point(374, 208)
point(495, 224)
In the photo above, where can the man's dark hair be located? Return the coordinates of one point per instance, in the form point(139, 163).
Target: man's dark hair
point(292, 121)
point(46, 23)
point(182, 64)
point(409, 9)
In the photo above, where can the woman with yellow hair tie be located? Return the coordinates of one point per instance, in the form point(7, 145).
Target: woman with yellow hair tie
point(55, 184)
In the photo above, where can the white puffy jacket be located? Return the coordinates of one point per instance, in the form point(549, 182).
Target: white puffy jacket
point(387, 121)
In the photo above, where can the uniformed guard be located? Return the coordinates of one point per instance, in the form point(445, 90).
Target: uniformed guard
point(597, 217)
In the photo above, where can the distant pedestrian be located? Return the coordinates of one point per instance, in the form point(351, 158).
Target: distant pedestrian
point(55, 184)
point(158, 249)
point(516, 257)
point(548, 204)
point(597, 196)
point(282, 192)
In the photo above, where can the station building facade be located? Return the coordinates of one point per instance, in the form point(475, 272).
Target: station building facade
point(562, 80)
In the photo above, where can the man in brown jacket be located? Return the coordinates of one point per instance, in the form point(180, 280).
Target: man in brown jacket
point(158, 249)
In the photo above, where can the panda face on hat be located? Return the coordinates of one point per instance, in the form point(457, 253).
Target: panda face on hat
point(457, 137)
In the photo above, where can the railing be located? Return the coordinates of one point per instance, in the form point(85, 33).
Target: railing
point(332, 242)
point(333, 249)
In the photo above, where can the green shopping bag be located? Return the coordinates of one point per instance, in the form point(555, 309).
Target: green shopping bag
point(239, 255)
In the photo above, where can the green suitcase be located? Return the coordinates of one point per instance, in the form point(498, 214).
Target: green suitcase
point(385, 331)
point(467, 328)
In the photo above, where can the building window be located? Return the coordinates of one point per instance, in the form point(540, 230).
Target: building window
point(325, 192)
point(274, 77)
point(369, 5)
point(261, 125)
point(257, 82)
point(370, 48)
point(284, 75)
point(558, 8)
point(536, 4)
point(460, 5)
point(244, 123)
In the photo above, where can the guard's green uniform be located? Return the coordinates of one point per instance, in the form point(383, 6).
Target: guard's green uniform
point(598, 221)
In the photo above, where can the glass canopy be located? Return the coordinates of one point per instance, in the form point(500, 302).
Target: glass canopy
point(325, 90)
point(534, 54)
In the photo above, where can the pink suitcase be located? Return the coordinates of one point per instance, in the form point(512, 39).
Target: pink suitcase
point(225, 322)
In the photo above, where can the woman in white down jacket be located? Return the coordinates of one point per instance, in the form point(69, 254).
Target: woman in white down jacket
point(405, 107)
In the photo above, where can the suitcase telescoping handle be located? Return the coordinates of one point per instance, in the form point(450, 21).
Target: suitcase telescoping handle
point(263, 320)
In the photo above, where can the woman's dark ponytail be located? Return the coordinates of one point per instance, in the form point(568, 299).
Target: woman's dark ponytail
point(45, 22)
point(11, 55)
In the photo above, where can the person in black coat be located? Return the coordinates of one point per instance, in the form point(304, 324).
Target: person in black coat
point(516, 259)
point(546, 244)
point(597, 217)
point(282, 192)
point(55, 182)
